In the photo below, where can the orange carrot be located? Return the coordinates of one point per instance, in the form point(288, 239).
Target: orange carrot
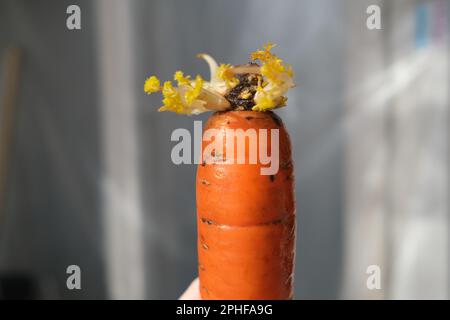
point(246, 221)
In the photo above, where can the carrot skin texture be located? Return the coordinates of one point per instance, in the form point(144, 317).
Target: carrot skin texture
point(246, 220)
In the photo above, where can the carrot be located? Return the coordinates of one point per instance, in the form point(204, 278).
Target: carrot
point(246, 221)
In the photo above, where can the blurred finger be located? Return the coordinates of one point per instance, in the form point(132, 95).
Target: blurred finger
point(192, 292)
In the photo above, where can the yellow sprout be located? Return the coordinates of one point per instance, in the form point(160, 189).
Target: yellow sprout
point(225, 73)
point(183, 99)
point(172, 99)
point(265, 54)
point(283, 101)
point(152, 85)
point(264, 102)
point(194, 90)
point(197, 96)
point(180, 78)
point(277, 80)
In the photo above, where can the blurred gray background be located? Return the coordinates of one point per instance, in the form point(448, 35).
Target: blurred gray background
point(89, 180)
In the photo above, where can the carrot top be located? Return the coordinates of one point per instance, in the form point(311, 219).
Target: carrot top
point(244, 87)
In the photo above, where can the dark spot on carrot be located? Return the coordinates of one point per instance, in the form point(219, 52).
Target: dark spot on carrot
point(272, 178)
point(205, 182)
point(205, 246)
point(249, 118)
point(276, 119)
point(228, 121)
point(219, 158)
point(203, 163)
point(207, 221)
point(286, 164)
point(275, 222)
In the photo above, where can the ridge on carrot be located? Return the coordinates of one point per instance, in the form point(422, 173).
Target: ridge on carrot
point(246, 221)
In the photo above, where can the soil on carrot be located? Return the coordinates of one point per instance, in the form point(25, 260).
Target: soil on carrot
point(276, 119)
point(241, 96)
